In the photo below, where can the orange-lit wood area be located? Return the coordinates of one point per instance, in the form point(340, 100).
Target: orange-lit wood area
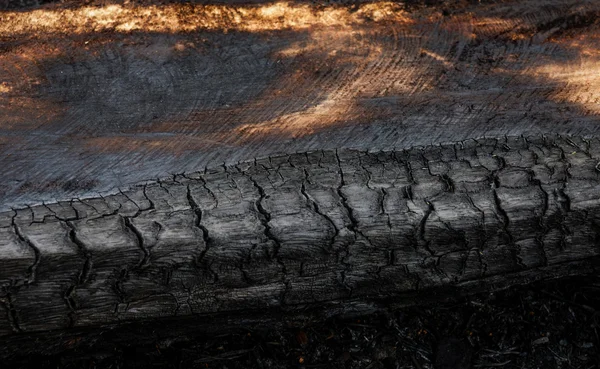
point(110, 93)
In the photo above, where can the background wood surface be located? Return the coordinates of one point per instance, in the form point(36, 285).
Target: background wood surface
point(100, 95)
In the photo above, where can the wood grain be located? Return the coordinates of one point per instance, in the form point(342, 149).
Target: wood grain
point(100, 96)
point(298, 146)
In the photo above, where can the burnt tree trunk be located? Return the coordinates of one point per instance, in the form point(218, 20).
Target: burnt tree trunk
point(350, 206)
point(328, 231)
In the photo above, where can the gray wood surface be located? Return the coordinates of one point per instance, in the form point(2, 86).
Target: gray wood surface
point(100, 96)
point(300, 231)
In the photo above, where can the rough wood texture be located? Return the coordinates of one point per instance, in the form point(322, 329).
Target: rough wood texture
point(97, 97)
point(288, 233)
point(101, 95)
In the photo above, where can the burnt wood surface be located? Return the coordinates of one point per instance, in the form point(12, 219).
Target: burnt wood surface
point(101, 95)
point(338, 232)
point(315, 159)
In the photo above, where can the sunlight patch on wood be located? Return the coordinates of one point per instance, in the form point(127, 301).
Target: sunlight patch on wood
point(587, 44)
point(374, 63)
point(579, 86)
point(578, 80)
point(437, 57)
point(301, 123)
point(20, 107)
point(187, 18)
point(5, 88)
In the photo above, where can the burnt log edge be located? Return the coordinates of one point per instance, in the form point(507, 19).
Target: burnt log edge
point(298, 238)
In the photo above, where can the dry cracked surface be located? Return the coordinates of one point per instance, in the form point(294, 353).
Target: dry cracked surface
point(289, 232)
point(350, 204)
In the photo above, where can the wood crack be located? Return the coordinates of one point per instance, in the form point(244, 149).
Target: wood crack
point(432, 245)
point(421, 227)
point(31, 271)
point(84, 274)
point(315, 207)
point(265, 219)
point(139, 237)
point(198, 214)
point(505, 227)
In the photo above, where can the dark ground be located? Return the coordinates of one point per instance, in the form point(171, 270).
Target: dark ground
point(545, 325)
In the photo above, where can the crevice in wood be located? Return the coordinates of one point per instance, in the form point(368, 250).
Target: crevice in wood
point(139, 237)
point(31, 271)
point(564, 203)
point(514, 249)
point(85, 272)
point(265, 216)
point(383, 210)
point(421, 227)
point(431, 248)
point(151, 206)
point(315, 207)
point(448, 182)
point(265, 219)
point(353, 226)
point(198, 215)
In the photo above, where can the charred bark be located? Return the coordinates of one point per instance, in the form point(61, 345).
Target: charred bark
point(314, 234)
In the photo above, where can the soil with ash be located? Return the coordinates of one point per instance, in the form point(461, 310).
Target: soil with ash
point(544, 325)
